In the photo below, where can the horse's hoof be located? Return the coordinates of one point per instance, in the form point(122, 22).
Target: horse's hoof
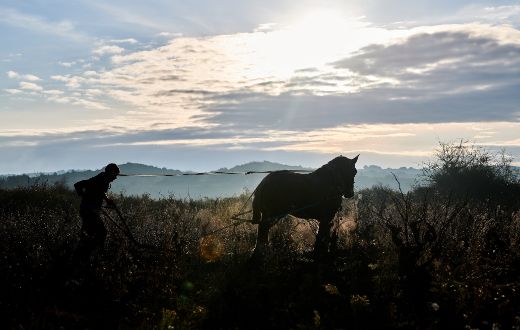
point(257, 257)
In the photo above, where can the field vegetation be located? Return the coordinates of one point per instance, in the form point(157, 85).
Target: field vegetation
point(445, 254)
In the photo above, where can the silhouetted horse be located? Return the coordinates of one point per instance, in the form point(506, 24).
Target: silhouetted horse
point(316, 195)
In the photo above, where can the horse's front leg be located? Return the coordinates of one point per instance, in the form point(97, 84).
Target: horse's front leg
point(322, 244)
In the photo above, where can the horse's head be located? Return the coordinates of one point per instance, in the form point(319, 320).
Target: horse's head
point(344, 171)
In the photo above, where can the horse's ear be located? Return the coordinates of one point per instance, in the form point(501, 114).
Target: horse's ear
point(355, 159)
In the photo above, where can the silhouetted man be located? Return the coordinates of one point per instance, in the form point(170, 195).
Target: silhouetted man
point(93, 192)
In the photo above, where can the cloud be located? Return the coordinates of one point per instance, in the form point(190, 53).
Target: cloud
point(12, 91)
point(506, 14)
point(132, 17)
point(170, 34)
point(13, 74)
point(53, 92)
point(67, 64)
point(124, 41)
point(71, 81)
point(451, 74)
point(406, 143)
point(78, 97)
point(57, 97)
point(431, 74)
point(63, 29)
point(108, 49)
point(435, 54)
point(30, 77)
point(30, 86)
point(16, 75)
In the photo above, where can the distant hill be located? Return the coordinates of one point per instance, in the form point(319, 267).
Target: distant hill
point(201, 186)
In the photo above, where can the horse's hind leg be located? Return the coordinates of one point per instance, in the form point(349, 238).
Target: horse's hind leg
point(262, 239)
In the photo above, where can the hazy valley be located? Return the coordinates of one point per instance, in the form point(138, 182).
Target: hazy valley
point(181, 185)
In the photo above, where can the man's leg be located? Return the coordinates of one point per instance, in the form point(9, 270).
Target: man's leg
point(92, 236)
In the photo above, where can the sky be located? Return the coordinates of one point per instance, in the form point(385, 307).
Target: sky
point(201, 85)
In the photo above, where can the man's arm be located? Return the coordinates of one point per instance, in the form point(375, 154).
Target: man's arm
point(108, 200)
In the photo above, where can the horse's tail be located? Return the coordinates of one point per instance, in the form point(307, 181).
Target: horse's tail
point(257, 201)
point(259, 204)
point(257, 214)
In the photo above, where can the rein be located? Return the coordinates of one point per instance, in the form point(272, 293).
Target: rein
point(212, 173)
point(125, 229)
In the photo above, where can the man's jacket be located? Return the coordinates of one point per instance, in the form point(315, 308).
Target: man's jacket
point(93, 191)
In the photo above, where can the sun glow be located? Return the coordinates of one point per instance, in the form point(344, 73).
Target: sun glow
point(322, 36)
point(323, 26)
point(310, 41)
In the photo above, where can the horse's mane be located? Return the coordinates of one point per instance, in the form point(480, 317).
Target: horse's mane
point(332, 166)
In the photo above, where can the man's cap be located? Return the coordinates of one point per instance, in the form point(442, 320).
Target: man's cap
point(112, 168)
